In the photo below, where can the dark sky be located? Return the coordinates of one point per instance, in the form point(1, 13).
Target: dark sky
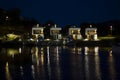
point(64, 12)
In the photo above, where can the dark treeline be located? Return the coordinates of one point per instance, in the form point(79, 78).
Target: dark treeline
point(12, 21)
point(107, 28)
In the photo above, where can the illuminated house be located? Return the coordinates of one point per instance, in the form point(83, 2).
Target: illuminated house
point(91, 33)
point(55, 33)
point(75, 33)
point(38, 31)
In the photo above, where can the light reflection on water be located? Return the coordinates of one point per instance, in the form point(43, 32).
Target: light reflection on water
point(57, 63)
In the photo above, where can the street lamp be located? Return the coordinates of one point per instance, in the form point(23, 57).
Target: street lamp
point(111, 28)
point(6, 18)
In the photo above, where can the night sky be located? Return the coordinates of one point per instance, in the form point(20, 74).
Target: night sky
point(64, 12)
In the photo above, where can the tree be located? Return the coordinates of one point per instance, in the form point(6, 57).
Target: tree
point(2, 16)
point(47, 26)
point(65, 30)
point(14, 16)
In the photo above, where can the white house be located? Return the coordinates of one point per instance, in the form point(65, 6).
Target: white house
point(75, 33)
point(38, 31)
point(91, 33)
point(55, 32)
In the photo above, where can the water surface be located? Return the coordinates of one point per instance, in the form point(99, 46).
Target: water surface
point(59, 63)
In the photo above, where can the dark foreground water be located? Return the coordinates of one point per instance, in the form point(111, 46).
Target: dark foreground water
point(59, 63)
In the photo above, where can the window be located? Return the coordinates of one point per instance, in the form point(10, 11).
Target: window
point(37, 32)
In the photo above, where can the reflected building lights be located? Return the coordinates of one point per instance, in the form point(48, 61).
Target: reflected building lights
point(12, 52)
point(35, 58)
point(40, 62)
point(32, 50)
point(73, 50)
point(79, 50)
point(87, 67)
point(57, 49)
point(111, 67)
point(7, 72)
point(110, 53)
point(86, 50)
point(33, 71)
point(57, 56)
point(88, 59)
point(48, 59)
point(20, 50)
point(41, 55)
point(57, 64)
point(41, 52)
point(48, 55)
point(64, 47)
point(41, 48)
point(76, 50)
point(36, 51)
point(91, 50)
point(96, 49)
point(47, 63)
point(21, 71)
point(97, 62)
point(42, 59)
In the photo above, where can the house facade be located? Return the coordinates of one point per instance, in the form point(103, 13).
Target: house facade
point(75, 33)
point(55, 32)
point(38, 32)
point(91, 33)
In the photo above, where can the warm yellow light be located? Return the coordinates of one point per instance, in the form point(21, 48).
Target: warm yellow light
point(110, 53)
point(12, 52)
point(12, 36)
point(79, 50)
point(42, 59)
point(96, 50)
point(86, 50)
point(74, 36)
point(8, 76)
point(73, 50)
point(78, 31)
point(72, 31)
point(41, 31)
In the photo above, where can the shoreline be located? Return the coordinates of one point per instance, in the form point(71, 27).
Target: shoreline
point(57, 43)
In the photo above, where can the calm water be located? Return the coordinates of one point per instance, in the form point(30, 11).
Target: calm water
point(59, 63)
